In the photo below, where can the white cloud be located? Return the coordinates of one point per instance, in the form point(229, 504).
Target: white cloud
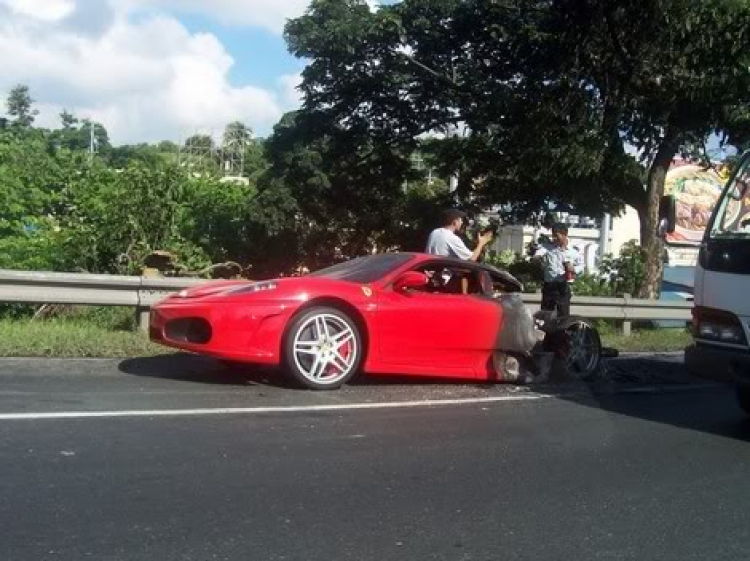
point(262, 13)
point(46, 10)
point(146, 78)
point(271, 15)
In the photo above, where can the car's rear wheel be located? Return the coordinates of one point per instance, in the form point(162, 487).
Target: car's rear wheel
point(322, 348)
point(584, 350)
point(743, 398)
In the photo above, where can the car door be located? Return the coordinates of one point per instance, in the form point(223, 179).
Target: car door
point(438, 332)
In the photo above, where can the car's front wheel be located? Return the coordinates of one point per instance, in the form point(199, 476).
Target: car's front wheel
point(322, 348)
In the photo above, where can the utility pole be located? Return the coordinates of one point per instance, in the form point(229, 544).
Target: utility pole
point(604, 230)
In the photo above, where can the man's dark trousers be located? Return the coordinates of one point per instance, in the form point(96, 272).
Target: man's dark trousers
point(556, 296)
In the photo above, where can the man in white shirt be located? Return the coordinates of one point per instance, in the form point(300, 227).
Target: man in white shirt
point(560, 263)
point(444, 241)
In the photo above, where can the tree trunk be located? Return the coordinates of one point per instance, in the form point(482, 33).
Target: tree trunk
point(651, 243)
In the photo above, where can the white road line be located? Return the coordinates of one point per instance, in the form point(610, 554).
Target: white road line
point(254, 410)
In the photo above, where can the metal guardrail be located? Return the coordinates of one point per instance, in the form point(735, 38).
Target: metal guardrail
point(32, 287)
point(624, 309)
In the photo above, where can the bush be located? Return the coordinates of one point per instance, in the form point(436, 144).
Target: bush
point(626, 273)
point(617, 276)
point(503, 259)
point(592, 285)
point(529, 272)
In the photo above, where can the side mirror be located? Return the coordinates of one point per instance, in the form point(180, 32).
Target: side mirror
point(410, 279)
point(667, 215)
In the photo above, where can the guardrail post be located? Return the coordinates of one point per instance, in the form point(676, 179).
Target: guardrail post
point(142, 316)
point(627, 326)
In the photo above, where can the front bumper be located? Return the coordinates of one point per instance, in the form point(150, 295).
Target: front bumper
point(251, 334)
point(719, 363)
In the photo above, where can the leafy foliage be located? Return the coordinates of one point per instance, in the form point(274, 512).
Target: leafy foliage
point(616, 276)
point(626, 273)
point(62, 208)
point(20, 106)
point(525, 102)
point(349, 191)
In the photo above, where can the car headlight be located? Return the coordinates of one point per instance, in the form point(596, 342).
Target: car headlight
point(718, 325)
point(256, 287)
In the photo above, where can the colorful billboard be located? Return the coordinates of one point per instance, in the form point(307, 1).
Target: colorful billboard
point(696, 191)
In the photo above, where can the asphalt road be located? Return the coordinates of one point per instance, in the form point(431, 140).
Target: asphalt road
point(230, 466)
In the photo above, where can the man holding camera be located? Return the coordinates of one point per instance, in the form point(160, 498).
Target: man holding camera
point(444, 241)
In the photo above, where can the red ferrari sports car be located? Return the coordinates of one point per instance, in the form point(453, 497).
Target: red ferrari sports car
point(393, 313)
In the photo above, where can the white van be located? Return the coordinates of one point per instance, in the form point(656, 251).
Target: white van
point(721, 317)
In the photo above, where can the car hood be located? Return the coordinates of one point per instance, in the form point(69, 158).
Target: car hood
point(211, 288)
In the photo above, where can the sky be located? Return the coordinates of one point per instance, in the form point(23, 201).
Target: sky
point(152, 70)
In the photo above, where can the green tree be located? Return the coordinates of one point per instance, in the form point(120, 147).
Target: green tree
point(234, 132)
point(120, 157)
point(200, 141)
point(199, 154)
point(167, 147)
point(348, 189)
point(89, 129)
point(255, 162)
point(545, 96)
point(667, 75)
point(31, 182)
point(114, 219)
point(62, 210)
point(236, 142)
point(68, 120)
point(76, 135)
point(20, 106)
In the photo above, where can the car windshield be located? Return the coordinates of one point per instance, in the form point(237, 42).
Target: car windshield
point(365, 269)
point(733, 217)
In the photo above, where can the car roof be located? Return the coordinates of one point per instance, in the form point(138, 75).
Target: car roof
point(416, 258)
point(473, 265)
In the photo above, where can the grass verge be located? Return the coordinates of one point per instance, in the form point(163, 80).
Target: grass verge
point(53, 338)
point(648, 340)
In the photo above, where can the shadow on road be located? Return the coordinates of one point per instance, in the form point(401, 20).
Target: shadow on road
point(659, 389)
point(656, 389)
point(187, 367)
point(710, 410)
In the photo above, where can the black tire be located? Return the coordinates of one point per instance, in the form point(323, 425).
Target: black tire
point(312, 359)
point(743, 398)
point(588, 370)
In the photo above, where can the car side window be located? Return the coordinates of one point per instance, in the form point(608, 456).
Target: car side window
point(452, 280)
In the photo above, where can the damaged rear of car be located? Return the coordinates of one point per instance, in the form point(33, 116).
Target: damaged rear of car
point(531, 346)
